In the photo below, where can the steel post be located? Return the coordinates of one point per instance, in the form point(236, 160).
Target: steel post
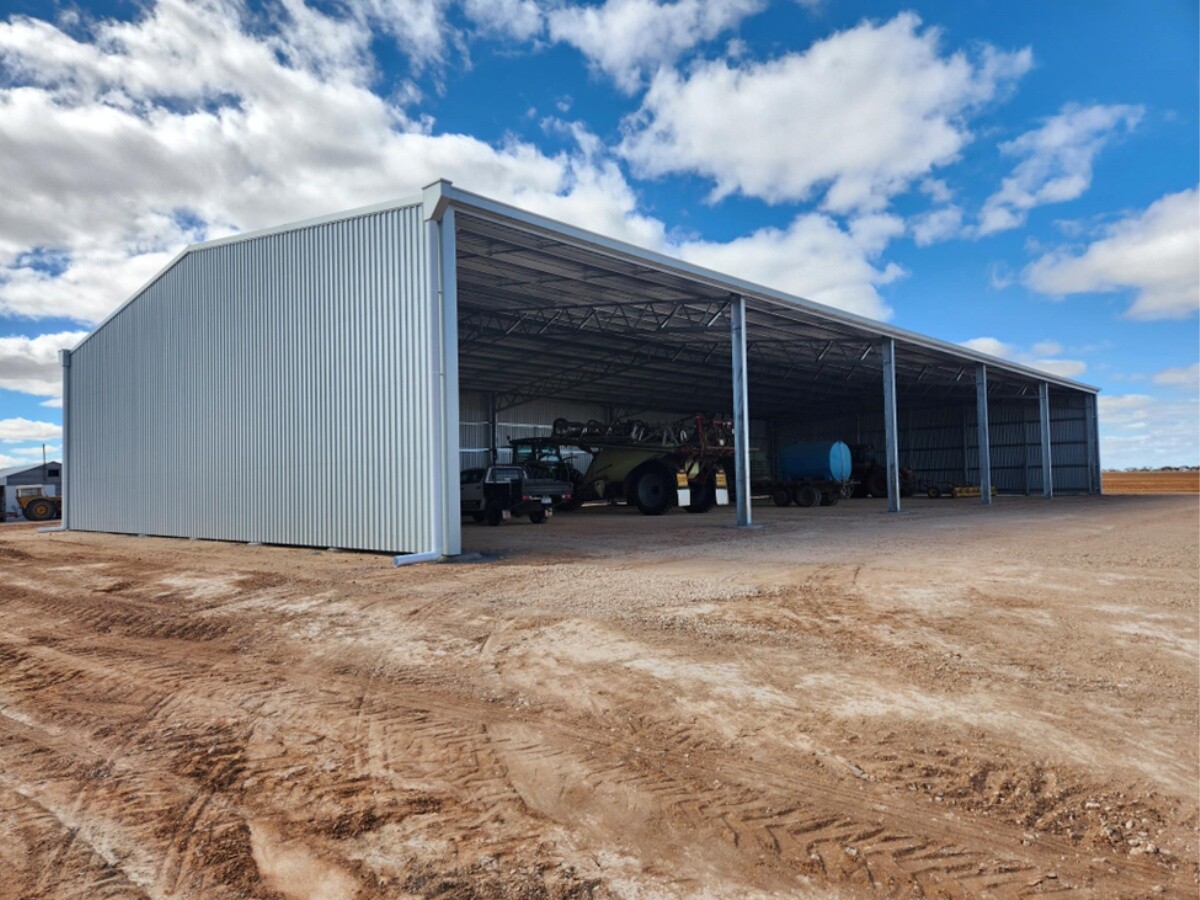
point(741, 410)
point(1047, 468)
point(891, 442)
point(64, 470)
point(1093, 443)
point(451, 520)
point(985, 444)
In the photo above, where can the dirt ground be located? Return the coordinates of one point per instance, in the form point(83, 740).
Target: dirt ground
point(1152, 482)
point(953, 701)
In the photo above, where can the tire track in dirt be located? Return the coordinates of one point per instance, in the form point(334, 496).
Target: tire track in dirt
point(199, 713)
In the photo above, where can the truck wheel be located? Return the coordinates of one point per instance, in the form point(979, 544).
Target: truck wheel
point(807, 495)
point(781, 496)
point(704, 498)
point(652, 491)
point(538, 518)
point(934, 492)
point(493, 515)
point(39, 510)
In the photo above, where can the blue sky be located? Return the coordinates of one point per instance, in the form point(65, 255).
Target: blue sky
point(1021, 177)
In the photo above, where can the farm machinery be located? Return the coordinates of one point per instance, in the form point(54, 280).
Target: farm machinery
point(38, 506)
point(652, 467)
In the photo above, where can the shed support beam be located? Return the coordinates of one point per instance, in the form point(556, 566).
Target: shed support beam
point(741, 412)
point(452, 521)
point(65, 469)
point(492, 450)
point(985, 444)
point(1047, 468)
point(890, 432)
point(1093, 444)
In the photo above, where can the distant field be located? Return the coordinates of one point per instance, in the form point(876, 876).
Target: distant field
point(1151, 482)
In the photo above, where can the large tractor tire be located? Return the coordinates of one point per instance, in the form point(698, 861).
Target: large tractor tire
point(652, 490)
point(781, 496)
point(704, 497)
point(807, 495)
point(39, 510)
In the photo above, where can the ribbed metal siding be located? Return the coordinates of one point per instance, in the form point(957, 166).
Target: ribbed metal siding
point(274, 390)
point(941, 444)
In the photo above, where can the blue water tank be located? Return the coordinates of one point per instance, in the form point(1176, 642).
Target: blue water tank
point(815, 461)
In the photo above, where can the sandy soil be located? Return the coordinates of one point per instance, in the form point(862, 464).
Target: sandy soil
point(955, 701)
point(1152, 482)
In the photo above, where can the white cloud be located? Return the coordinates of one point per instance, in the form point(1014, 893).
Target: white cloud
point(1042, 355)
point(937, 225)
point(35, 451)
point(31, 364)
point(1056, 162)
point(937, 190)
point(1047, 348)
point(1155, 252)
point(519, 19)
point(864, 112)
point(813, 258)
point(19, 430)
point(191, 122)
point(1140, 430)
point(418, 26)
point(1182, 377)
point(625, 39)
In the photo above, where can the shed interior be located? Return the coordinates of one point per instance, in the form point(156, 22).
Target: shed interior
point(549, 327)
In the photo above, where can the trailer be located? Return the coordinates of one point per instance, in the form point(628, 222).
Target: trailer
point(807, 492)
point(811, 473)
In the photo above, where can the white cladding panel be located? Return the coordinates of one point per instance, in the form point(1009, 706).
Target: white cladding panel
point(276, 389)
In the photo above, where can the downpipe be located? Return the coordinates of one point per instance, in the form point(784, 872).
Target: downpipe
point(409, 559)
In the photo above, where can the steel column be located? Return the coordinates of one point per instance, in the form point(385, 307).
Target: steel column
point(1093, 443)
point(1047, 468)
point(448, 274)
point(966, 453)
point(985, 444)
point(892, 447)
point(741, 411)
point(64, 472)
point(493, 452)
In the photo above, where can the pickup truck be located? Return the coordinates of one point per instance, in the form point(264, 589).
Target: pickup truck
point(497, 493)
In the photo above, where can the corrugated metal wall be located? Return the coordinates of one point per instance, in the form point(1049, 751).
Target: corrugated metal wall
point(275, 390)
point(941, 444)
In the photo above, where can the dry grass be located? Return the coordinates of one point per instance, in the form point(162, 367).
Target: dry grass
point(1152, 482)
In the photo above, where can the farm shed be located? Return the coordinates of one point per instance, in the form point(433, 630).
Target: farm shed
point(389, 344)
